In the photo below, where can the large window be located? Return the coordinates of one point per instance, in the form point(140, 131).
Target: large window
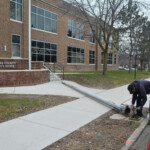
point(92, 39)
point(75, 30)
point(16, 10)
point(92, 57)
point(75, 55)
point(43, 51)
point(16, 45)
point(44, 20)
point(109, 58)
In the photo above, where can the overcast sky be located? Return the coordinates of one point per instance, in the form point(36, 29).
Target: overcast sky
point(146, 3)
point(146, 11)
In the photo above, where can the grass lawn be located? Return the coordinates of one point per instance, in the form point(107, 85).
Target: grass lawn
point(12, 106)
point(113, 78)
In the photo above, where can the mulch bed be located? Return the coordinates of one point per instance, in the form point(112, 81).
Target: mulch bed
point(101, 134)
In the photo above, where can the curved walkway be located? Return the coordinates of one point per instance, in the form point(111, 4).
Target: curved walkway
point(40, 129)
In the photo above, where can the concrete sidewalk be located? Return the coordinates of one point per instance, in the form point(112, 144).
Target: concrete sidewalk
point(40, 129)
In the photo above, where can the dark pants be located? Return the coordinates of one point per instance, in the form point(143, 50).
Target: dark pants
point(138, 104)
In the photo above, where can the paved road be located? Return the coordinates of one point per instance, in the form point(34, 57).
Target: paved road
point(142, 142)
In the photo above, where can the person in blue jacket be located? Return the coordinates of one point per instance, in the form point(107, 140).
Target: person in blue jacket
point(139, 89)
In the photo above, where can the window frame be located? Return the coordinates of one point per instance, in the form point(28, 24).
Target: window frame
point(50, 50)
point(77, 57)
point(92, 39)
point(91, 57)
point(110, 59)
point(75, 26)
point(45, 17)
point(15, 20)
point(15, 44)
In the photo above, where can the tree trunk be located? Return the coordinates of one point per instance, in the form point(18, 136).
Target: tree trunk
point(105, 63)
point(130, 63)
point(96, 56)
point(141, 64)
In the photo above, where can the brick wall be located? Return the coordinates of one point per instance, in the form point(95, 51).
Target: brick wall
point(18, 64)
point(22, 78)
point(9, 27)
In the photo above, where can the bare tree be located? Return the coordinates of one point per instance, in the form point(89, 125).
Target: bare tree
point(102, 18)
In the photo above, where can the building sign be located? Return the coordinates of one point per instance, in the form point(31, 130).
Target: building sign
point(7, 64)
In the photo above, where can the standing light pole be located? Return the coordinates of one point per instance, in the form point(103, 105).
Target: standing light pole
point(29, 38)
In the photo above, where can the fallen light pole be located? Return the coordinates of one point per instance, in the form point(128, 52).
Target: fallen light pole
point(122, 108)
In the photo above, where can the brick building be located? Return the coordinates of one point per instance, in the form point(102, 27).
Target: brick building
point(56, 36)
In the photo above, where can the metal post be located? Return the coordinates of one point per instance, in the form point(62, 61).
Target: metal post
point(122, 108)
point(29, 38)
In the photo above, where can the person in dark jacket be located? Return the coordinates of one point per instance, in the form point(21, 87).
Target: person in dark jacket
point(139, 89)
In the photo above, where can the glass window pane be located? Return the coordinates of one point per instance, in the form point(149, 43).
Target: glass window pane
point(47, 45)
point(16, 50)
point(34, 43)
point(40, 22)
point(69, 60)
point(40, 57)
point(69, 22)
point(16, 39)
point(33, 9)
point(19, 1)
point(40, 11)
point(33, 57)
point(48, 14)
point(53, 52)
point(69, 48)
point(47, 24)
point(74, 50)
point(40, 51)
point(40, 44)
point(34, 24)
point(47, 58)
point(33, 50)
point(47, 51)
point(53, 46)
point(19, 12)
point(69, 31)
point(54, 26)
point(12, 10)
point(44, 51)
point(53, 59)
point(54, 16)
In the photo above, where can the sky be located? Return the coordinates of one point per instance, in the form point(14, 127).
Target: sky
point(147, 3)
point(146, 11)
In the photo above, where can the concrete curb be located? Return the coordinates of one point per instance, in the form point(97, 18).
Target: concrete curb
point(133, 138)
